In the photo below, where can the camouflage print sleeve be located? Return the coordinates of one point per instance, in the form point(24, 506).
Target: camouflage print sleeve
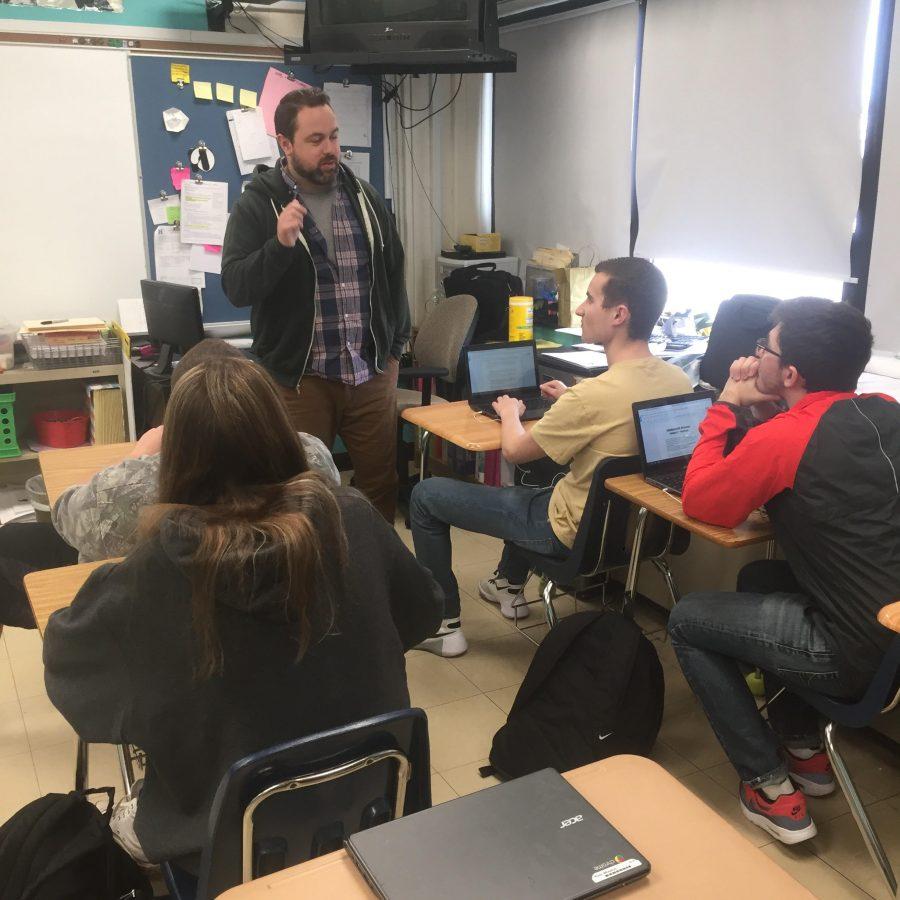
point(319, 457)
point(99, 519)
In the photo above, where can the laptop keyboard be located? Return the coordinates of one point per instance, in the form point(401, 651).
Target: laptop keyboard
point(673, 479)
point(532, 405)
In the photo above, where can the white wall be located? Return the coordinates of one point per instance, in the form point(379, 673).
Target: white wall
point(71, 228)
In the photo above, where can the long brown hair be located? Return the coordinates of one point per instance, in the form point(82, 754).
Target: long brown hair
point(233, 473)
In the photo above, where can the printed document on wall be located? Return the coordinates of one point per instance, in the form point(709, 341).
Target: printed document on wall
point(358, 163)
point(352, 104)
point(246, 165)
point(173, 258)
point(204, 211)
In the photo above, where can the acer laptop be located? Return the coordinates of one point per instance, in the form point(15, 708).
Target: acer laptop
point(534, 838)
point(667, 431)
point(508, 367)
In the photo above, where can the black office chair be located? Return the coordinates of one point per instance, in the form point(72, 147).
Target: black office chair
point(299, 800)
point(881, 697)
point(601, 542)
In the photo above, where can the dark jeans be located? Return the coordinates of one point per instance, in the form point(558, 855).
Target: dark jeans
point(768, 624)
point(27, 547)
point(516, 514)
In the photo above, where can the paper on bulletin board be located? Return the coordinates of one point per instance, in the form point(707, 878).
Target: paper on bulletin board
point(180, 72)
point(352, 104)
point(248, 98)
point(203, 90)
point(276, 85)
point(251, 132)
point(225, 92)
point(204, 211)
point(204, 259)
point(246, 166)
point(358, 163)
point(172, 258)
point(160, 207)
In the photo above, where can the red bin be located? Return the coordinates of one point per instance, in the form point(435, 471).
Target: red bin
point(61, 427)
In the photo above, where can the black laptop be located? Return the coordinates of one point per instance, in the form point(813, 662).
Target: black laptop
point(508, 367)
point(667, 432)
point(534, 838)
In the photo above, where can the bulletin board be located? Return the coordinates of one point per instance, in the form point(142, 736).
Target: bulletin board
point(159, 150)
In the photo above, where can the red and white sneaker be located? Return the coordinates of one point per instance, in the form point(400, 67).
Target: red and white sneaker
point(813, 776)
point(786, 818)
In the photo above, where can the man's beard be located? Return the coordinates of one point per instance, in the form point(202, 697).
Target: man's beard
point(318, 175)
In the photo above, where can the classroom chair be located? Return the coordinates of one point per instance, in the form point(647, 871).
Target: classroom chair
point(881, 697)
point(299, 800)
point(601, 542)
point(438, 354)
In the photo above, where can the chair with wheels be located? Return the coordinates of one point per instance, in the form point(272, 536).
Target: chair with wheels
point(601, 544)
point(881, 697)
point(299, 800)
point(438, 352)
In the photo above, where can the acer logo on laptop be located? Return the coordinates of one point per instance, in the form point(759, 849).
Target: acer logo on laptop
point(574, 820)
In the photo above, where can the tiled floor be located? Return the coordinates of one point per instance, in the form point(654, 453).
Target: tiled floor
point(467, 700)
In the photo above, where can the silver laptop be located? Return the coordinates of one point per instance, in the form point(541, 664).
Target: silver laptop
point(534, 838)
point(507, 367)
point(667, 431)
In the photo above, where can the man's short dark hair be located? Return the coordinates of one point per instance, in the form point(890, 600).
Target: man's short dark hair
point(639, 285)
point(291, 103)
point(828, 343)
point(208, 348)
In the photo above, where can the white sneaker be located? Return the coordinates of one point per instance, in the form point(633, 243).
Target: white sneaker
point(509, 597)
point(448, 642)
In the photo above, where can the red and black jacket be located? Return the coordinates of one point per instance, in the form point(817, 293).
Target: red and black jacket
point(827, 473)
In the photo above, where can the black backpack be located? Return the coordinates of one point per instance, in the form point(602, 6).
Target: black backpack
point(492, 288)
point(740, 323)
point(60, 847)
point(594, 689)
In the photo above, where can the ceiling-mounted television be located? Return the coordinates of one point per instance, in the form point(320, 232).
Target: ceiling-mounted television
point(403, 36)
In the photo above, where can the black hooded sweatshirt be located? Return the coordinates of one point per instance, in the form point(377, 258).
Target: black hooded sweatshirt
point(119, 665)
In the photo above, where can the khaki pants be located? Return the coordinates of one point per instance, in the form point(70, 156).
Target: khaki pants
point(365, 416)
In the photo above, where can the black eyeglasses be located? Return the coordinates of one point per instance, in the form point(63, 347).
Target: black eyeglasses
point(762, 345)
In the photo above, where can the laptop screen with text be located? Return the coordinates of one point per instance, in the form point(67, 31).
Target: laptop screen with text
point(503, 368)
point(671, 431)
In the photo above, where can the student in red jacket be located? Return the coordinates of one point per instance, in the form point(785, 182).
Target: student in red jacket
point(826, 471)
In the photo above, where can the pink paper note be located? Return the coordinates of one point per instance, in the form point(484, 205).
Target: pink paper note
point(212, 248)
point(179, 175)
point(277, 84)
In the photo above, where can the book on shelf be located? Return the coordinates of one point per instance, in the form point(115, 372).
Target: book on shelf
point(107, 413)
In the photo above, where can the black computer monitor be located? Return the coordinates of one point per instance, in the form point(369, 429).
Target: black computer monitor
point(173, 319)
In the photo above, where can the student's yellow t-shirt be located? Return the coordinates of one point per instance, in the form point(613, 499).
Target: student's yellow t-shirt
point(593, 420)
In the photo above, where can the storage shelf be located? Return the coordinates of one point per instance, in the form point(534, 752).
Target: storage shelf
point(27, 373)
point(24, 455)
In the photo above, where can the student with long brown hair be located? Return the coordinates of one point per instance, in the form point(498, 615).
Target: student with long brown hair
point(261, 605)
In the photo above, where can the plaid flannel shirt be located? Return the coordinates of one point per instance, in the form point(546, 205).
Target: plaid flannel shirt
point(342, 348)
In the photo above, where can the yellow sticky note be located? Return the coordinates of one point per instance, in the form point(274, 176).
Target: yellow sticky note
point(180, 72)
point(203, 90)
point(224, 92)
point(248, 98)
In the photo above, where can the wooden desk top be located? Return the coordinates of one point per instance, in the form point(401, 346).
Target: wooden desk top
point(755, 530)
point(455, 422)
point(63, 468)
point(694, 854)
point(53, 589)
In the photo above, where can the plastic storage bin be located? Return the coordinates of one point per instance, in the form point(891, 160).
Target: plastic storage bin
point(60, 427)
point(104, 351)
point(37, 494)
point(7, 345)
point(9, 445)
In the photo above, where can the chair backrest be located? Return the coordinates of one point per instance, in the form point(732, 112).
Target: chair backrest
point(740, 323)
point(298, 800)
point(443, 335)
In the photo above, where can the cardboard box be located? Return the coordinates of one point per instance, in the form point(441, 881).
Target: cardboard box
point(488, 242)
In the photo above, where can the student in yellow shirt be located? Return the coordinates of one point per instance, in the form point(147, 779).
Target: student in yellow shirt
point(588, 423)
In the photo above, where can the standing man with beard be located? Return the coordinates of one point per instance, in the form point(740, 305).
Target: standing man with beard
point(315, 253)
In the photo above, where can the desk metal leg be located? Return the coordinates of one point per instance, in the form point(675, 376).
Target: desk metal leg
point(634, 563)
point(770, 549)
point(81, 765)
point(126, 766)
point(425, 440)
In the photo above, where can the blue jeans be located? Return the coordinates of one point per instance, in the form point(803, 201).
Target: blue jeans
point(780, 632)
point(516, 514)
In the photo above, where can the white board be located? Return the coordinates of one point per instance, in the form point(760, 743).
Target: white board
point(71, 221)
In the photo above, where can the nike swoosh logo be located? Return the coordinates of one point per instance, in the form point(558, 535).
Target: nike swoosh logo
point(603, 737)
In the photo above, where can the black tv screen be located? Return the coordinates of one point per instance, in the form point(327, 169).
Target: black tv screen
point(368, 12)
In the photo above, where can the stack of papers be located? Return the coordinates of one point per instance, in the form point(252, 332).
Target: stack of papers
point(585, 359)
point(248, 134)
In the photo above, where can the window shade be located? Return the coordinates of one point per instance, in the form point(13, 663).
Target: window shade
point(748, 145)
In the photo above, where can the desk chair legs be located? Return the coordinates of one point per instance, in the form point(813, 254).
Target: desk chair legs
point(548, 593)
point(81, 765)
point(873, 844)
point(425, 440)
point(126, 765)
point(634, 562)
